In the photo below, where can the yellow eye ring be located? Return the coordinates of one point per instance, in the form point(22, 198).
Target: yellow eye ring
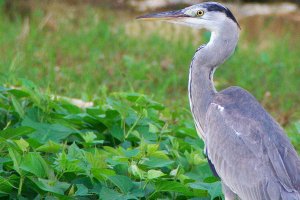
point(200, 13)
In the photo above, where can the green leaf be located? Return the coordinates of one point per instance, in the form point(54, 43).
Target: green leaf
point(122, 182)
point(153, 128)
point(17, 106)
point(5, 186)
point(136, 171)
point(96, 159)
point(172, 186)
point(18, 93)
point(101, 174)
point(129, 153)
point(214, 189)
point(16, 158)
point(82, 190)
point(45, 132)
point(153, 174)
point(109, 194)
point(89, 137)
point(153, 162)
point(35, 164)
point(11, 133)
point(74, 161)
point(117, 132)
point(52, 186)
point(22, 144)
point(151, 148)
point(50, 147)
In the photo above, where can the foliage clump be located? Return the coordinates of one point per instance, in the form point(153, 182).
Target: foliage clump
point(122, 148)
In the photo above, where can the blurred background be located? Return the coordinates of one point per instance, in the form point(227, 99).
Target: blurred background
point(87, 48)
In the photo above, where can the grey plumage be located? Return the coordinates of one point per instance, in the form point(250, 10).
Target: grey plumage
point(248, 148)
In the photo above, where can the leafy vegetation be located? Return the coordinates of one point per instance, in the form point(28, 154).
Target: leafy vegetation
point(122, 148)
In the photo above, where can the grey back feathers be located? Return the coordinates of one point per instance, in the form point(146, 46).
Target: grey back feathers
point(249, 150)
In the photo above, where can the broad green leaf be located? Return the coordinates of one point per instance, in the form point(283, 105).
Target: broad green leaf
point(153, 128)
point(196, 143)
point(109, 194)
point(45, 132)
point(129, 153)
point(51, 186)
point(11, 133)
point(22, 144)
point(5, 186)
point(124, 183)
point(82, 190)
point(214, 189)
point(101, 174)
point(113, 151)
point(117, 132)
point(159, 154)
point(145, 134)
point(200, 172)
point(69, 109)
point(132, 118)
point(172, 186)
point(50, 147)
point(153, 162)
point(153, 174)
point(35, 164)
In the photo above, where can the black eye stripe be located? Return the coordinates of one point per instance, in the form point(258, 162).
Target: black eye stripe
point(219, 8)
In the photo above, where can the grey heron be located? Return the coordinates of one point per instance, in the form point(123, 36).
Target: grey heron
point(246, 147)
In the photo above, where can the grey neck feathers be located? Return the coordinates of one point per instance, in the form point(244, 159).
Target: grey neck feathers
point(207, 58)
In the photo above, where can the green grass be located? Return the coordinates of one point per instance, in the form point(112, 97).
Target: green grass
point(127, 146)
point(87, 55)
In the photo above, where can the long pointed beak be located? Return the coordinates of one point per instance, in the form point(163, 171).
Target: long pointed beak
point(169, 15)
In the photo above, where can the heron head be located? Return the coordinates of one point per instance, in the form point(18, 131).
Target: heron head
point(209, 15)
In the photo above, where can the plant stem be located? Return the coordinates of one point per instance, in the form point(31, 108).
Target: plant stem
point(20, 185)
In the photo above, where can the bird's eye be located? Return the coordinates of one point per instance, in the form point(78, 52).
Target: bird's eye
point(200, 13)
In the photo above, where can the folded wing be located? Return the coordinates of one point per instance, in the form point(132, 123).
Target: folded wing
point(249, 149)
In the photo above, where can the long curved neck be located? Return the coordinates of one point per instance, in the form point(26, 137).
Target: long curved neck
point(207, 58)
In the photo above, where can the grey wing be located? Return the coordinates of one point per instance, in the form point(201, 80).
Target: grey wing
point(249, 150)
